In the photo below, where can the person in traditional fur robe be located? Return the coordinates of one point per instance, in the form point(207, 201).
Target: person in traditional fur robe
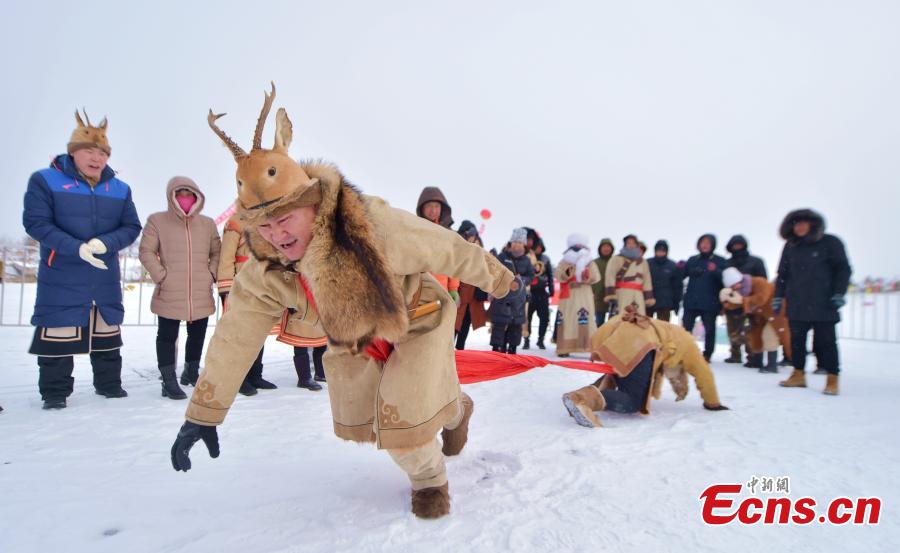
point(358, 269)
point(628, 279)
point(575, 321)
point(641, 351)
point(753, 296)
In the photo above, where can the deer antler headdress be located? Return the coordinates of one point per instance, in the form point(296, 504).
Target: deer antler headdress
point(269, 181)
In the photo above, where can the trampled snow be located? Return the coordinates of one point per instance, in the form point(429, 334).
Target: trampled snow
point(96, 476)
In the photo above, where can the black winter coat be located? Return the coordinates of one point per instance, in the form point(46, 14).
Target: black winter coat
point(704, 284)
point(748, 264)
point(809, 274)
point(542, 286)
point(522, 265)
point(668, 283)
point(509, 309)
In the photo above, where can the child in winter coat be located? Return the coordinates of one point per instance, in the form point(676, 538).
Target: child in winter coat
point(753, 296)
point(508, 317)
point(180, 249)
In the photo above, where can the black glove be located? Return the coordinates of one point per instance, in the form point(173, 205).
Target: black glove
point(716, 407)
point(838, 301)
point(189, 434)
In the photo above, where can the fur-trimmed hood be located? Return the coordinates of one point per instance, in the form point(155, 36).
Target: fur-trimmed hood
point(816, 223)
point(358, 298)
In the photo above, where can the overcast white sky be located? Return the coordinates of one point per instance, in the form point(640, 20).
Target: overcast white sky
point(666, 119)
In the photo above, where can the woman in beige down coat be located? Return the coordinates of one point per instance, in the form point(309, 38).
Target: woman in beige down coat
point(180, 249)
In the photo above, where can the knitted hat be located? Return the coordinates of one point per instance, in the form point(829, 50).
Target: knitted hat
point(661, 245)
point(731, 276)
point(86, 136)
point(519, 235)
point(269, 182)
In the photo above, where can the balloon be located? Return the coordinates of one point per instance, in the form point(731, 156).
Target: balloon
point(485, 214)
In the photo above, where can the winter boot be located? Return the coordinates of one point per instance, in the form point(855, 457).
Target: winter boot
point(785, 362)
point(540, 344)
point(54, 403)
point(191, 373)
point(831, 385)
point(431, 502)
point(820, 370)
point(754, 361)
point(304, 375)
point(796, 380)
point(261, 383)
point(771, 363)
point(455, 438)
point(527, 344)
point(112, 393)
point(170, 387)
point(582, 403)
point(735, 355)
point(247, 389)
point(318, 365)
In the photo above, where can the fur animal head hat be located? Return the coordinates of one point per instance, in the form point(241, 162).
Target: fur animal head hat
point(269, 182)
point(87, 136)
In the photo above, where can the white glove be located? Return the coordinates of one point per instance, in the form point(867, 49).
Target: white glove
point(97, 246)
point(86, 253)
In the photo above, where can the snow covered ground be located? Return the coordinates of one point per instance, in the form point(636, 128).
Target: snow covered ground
point(96, 476)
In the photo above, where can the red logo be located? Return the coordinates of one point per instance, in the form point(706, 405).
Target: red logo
point(723, 504)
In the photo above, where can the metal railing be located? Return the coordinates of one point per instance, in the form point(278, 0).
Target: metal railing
point(18, 288)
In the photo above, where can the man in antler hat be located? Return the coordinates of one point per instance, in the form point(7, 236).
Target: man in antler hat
point(81, 215)
point(358, 269)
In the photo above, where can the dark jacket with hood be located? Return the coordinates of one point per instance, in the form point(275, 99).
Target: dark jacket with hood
point(742, 260)
point(599, 288)
point(434, 194)
point(63, 211)
point(812, 269)
point(668, 282)
point(704, 274)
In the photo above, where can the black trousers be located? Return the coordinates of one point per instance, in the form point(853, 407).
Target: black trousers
point(301, 361)
point(506, 338)
point(55, 374)
point(167, 335)
point(631, 391)
point(256, 368)
point(464, 328)
point(709, 324)
point(824, 344)
point(661, 314)
point(541, 306)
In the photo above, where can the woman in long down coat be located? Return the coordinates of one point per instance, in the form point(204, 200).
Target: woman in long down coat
point(180, 249)
point(575, 316)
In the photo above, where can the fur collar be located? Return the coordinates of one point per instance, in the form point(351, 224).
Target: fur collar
point(357, 296)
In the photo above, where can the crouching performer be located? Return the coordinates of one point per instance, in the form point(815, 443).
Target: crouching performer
point(641, 351)
point(359, 270)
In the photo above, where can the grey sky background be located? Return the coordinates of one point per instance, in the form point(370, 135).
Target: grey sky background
point(666, 119)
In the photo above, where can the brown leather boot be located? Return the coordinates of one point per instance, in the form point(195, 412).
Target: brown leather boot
point(582, 403)
point(831, 385)
point(455, 439)
point(431, 502)
point(796, 380)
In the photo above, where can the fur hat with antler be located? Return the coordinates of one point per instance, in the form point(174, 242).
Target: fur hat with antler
point(357, 295)
point(87, 136)
point(269, 182)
